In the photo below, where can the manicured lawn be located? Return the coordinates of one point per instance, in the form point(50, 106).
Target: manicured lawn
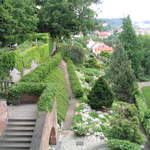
point(146, 91)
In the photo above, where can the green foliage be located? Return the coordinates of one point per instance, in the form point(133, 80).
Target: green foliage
point(141, 105)
point(76, 86)
point(56, 90)
point(121, 75)
point(77, 119)
point(92, 63)
point(79, 108)
point(146, 92)
point(116, 144)
point(23, 59)
point(144, 113)
point(7, 63)
point(75, 53)
point(64, 19)
point(147, 122)
point(93, 114)
point(100, 95)
point(17, 19)
point(145, 46)
point(17, 90)
point(125, 124)
point(42, 71)
point(131, 45)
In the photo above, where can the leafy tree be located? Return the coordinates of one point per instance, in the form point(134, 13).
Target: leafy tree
point(101, 95)
point(63, 18)
point(17, 19)
point(130, 42)
point(121, 75)
point(75, 53)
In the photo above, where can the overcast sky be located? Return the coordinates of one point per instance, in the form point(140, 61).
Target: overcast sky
point(137, 9)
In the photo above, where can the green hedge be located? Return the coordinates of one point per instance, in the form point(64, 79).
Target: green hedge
point(7, 62)
point(76, 86)
point(116, 144)
point(43, 70)
point(16, 91)
point(56, 90)
point(144, 113)
point(23, 59)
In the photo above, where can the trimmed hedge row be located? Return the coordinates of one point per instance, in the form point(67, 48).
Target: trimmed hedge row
point(25, 88)
point(122, 145)
point(43, 70)
point(23, 59)
point(28, 83)
point(144, 113)
point(76, 86)
point(56, 90)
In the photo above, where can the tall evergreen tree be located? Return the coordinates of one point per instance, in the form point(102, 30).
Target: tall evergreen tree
point(131, 45)
point(101, 95)
point(121, 75)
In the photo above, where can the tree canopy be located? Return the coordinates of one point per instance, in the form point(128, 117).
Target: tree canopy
point(63, 18)
point(17, 19)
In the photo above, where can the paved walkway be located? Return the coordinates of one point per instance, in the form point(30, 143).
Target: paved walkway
point(143, 84)
point(22, 111)
point(68, 141)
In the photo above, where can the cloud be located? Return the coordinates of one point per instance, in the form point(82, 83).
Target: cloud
point(137, 9)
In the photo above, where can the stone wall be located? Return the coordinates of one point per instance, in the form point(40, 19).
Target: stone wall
point(16, 74)
point(3, 116)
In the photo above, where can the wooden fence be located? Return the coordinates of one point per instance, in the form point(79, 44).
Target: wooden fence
point(4, 85)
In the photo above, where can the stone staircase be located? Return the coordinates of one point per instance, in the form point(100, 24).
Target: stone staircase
point(18, 134)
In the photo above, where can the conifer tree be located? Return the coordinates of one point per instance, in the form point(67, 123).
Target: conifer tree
point(121, 75)
point(131, 45)
point(101, 95)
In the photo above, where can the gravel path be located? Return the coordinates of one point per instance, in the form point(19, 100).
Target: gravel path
point(68, 141)
point(143, 84)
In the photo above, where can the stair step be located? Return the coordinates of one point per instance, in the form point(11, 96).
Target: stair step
point(25, 129)
point(15, 145)
point(21, 134)
point(15, 140)
point(21, 123)
point(21, 120)
point(20, 128)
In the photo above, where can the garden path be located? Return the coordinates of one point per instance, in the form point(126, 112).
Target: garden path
point(67, 139)
point(143, 84)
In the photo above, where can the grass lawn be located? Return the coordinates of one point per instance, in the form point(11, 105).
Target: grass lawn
point(146, 91)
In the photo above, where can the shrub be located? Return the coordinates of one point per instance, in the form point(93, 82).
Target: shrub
point(76, 86)
point(125, 130)
point(56, 90)
point(79, 108)
point(147, 122)
point(125, 123)
point(140, 102)
point(92, 63)
point(122, 145)
point(16, 91)
point(43, 70)
point(80, 130)
point(75, 53)
point(77, 119)
point(100, 95)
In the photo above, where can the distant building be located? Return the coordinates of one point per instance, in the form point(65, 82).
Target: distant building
point(98, 47)
point(103, 35)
